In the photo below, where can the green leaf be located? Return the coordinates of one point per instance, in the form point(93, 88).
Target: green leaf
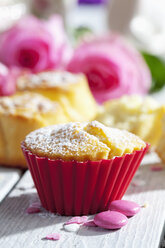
point(81, 31)
point(157, 68)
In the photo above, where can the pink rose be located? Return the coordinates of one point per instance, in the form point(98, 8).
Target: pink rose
point(35, 44)
point(7, 80)
point(113, 68)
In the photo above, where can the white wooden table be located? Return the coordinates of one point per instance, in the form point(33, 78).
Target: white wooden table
point(145, 230)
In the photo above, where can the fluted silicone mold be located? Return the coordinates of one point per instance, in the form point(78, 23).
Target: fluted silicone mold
point(81, 188)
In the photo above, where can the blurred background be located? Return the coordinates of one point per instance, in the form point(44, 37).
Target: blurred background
point(141, 21)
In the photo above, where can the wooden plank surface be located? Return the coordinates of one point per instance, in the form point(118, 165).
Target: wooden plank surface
point(8, 178)
point(18, 229)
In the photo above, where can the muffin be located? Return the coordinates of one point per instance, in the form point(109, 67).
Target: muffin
point(160, 149)
point(71, 91)
point(19, 115)
point(79, 168)
point(139, 115)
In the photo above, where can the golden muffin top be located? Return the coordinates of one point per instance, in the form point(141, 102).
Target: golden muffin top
point(47, 79)
point(139, 115)
point(82, 142)
point(26, 103)
point(125, 110)
point(134, 103)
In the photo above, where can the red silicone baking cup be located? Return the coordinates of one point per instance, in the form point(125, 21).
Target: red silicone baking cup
point(81, 188)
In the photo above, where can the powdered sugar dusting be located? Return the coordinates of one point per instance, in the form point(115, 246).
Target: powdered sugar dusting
point(65, 141)
point(72, 141)
point(31, 101)
point(116, 135)
point(120, 141)
point(47, 79)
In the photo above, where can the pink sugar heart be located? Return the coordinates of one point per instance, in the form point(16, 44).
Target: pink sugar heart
point(110, 220)
point(128, 208)
point(53, 236)
point(77, 220)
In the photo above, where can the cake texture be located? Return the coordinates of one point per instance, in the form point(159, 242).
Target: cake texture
point(79, 168)
point(70, 90)
point(139, 115)
point(19, 115)
point(82, 142)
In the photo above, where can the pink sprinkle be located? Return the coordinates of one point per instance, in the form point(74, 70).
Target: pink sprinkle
point(35, 204)
point(34, 207)
point(110, 220)
point(90, 223)
point(128, 208)
point(33, 210)
point(134, 184)
point(156, 168)
point(138, 183)
point(53, 236)
point(77, 220)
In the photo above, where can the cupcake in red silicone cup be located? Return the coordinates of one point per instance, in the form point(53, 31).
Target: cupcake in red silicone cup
point(79, 168)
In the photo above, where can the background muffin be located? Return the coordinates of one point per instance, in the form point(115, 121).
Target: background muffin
point(19, 115)
point(70, 90)
point(139, 115)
